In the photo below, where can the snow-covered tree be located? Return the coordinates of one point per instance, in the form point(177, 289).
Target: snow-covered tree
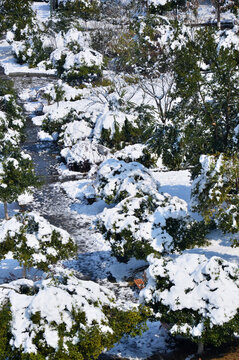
point(34, 242)
point(16, 167)
point(61, 318)
point(216, 191)
point(16, 12)
point(16, 176)
point(196, 297)
point(205, 113)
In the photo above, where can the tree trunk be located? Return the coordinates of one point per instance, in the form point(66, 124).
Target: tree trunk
point(218, 15)
point(6, 211)
point(24, 272)
point(200, 348)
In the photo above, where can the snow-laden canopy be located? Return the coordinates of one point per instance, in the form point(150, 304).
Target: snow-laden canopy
point(209, 288)
point(41, 307)
point(117, 180)
point(33, 241)
point(143, 218)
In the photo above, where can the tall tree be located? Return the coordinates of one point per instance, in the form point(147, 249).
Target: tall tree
point(205, 112)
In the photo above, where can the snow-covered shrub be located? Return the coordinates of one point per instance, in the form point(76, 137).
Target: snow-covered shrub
point(34, 242)
point(117, 180)
point(54, 122)
point(216, 191)
point(125, 124)
point(197, 297)
point(50, 92)
point(75, 131)
point(145, 48)
point(70, 9)
point(61, 317)
point(84, 154)
point(56, 94)
point(139, 153)
point(13, 112)
point(143, 224)
point(163, 6)
point(76, 68)
point(35, 47)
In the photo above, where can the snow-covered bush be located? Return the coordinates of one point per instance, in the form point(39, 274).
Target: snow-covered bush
point(61, 317)
point(139, 153)
point(143, 224)
point(76, 68)
point(216, 191)
point(75, 131)
point(11, 119)
point(197, 297)
point(17, 175)
point(84, 154)
point(16, 167)
point(117, 180)
point(35, 46)
point(73, 9)
point(50, 92)
point(145, 48)
point(204, 64)
point(34, 242)
point(120, 129)
point(9, 106)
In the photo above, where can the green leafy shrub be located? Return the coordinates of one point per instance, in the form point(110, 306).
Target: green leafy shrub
point(72, 10)
point(18, 13)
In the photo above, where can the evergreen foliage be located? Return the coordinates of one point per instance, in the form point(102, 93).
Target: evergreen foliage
point(216, 191)
point(191, 295)
point(16, 175)
point(205, 114)
point(145, 224)
point(79, 337)
point(34, 246)
point(15, 12)
point(16, 170)
point(70, 10)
